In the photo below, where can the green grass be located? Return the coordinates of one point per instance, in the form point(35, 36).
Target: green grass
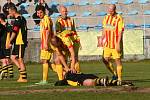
point(137, 72)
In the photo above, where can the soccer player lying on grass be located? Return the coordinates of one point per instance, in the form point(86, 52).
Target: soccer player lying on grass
point(74, 79)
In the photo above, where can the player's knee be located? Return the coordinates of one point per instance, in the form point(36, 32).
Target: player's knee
point(88, 82)
point(118, 62)
point(105, 60)
point(44, 61)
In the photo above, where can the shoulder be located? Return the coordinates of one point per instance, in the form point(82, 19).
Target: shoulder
point(119, 16)
point(46, 17)
point(59, 18)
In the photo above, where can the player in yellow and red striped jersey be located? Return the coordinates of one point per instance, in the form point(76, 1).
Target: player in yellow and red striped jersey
point(66, 31)
point(113, 27)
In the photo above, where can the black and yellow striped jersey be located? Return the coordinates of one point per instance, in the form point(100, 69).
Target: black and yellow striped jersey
point(20, 28)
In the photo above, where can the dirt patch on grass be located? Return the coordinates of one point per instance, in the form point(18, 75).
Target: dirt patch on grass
point(95, 90)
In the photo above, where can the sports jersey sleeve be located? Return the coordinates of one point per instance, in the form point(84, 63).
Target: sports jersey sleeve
point(58, 27)
point(73, 28)
point(121, 24)
point(47, 23)
point(104, 22)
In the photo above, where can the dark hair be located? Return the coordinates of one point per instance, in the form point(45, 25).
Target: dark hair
point(40, 7)
point(14, 8)
point(2, 16)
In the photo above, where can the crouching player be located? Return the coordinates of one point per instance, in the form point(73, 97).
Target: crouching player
point(81, 79)
point(5, 33)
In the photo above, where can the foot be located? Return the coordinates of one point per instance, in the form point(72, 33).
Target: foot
point(119, 83)
point(22, 80)
point(43, 82)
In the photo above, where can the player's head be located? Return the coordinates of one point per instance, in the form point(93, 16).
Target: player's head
point(112, 9)
point(41, 11)
point(8, 1)
point(89, 82)
point(55, 41)
point(41, 1)
point(2, 17)
point(63, 11)
point(12, 11)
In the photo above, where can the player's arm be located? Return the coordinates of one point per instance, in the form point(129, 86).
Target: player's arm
point(62, 59)
point(15, 31)
point(103, 31)
point(48, 31)
point(72, 53)
point(58, 27)
point(121, 29)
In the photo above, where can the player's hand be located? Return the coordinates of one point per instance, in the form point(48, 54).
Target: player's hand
point(73, 70)
point(45, 47)
point(8, 46)
point(118, 48)
point(66, 69)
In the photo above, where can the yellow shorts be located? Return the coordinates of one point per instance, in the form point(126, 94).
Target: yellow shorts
point(45, 55)
point(108, 52)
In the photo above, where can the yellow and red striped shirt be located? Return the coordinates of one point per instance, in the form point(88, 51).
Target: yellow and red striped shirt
point(45, 24)
point(113, 26)
point(65, 29)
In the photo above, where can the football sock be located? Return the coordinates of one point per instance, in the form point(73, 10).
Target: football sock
point(53, 67)
point(77, 67)
point(5, 71)
point(23, 74)
point(119, 72)
point(10, 70)
point(59, 70)
point(1, 68)
point(45, 72)
point(99, 82)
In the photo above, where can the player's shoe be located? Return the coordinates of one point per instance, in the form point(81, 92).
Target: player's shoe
point(22, 80)
point(114, 77)
point(126, 83)
point(119, 83)
point(43, 82)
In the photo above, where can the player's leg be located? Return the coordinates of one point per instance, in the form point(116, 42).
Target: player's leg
point(45, 57)
point(117, 57)
point(4, 69)
point(58, 68)
point(23, 72)
point(107, 61)
point(10, 66)
point(77, 64)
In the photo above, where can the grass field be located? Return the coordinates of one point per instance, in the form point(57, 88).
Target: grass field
point(137, 72)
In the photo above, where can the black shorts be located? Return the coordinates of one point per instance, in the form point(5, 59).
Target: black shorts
point(4, 53)
point(19, 51)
